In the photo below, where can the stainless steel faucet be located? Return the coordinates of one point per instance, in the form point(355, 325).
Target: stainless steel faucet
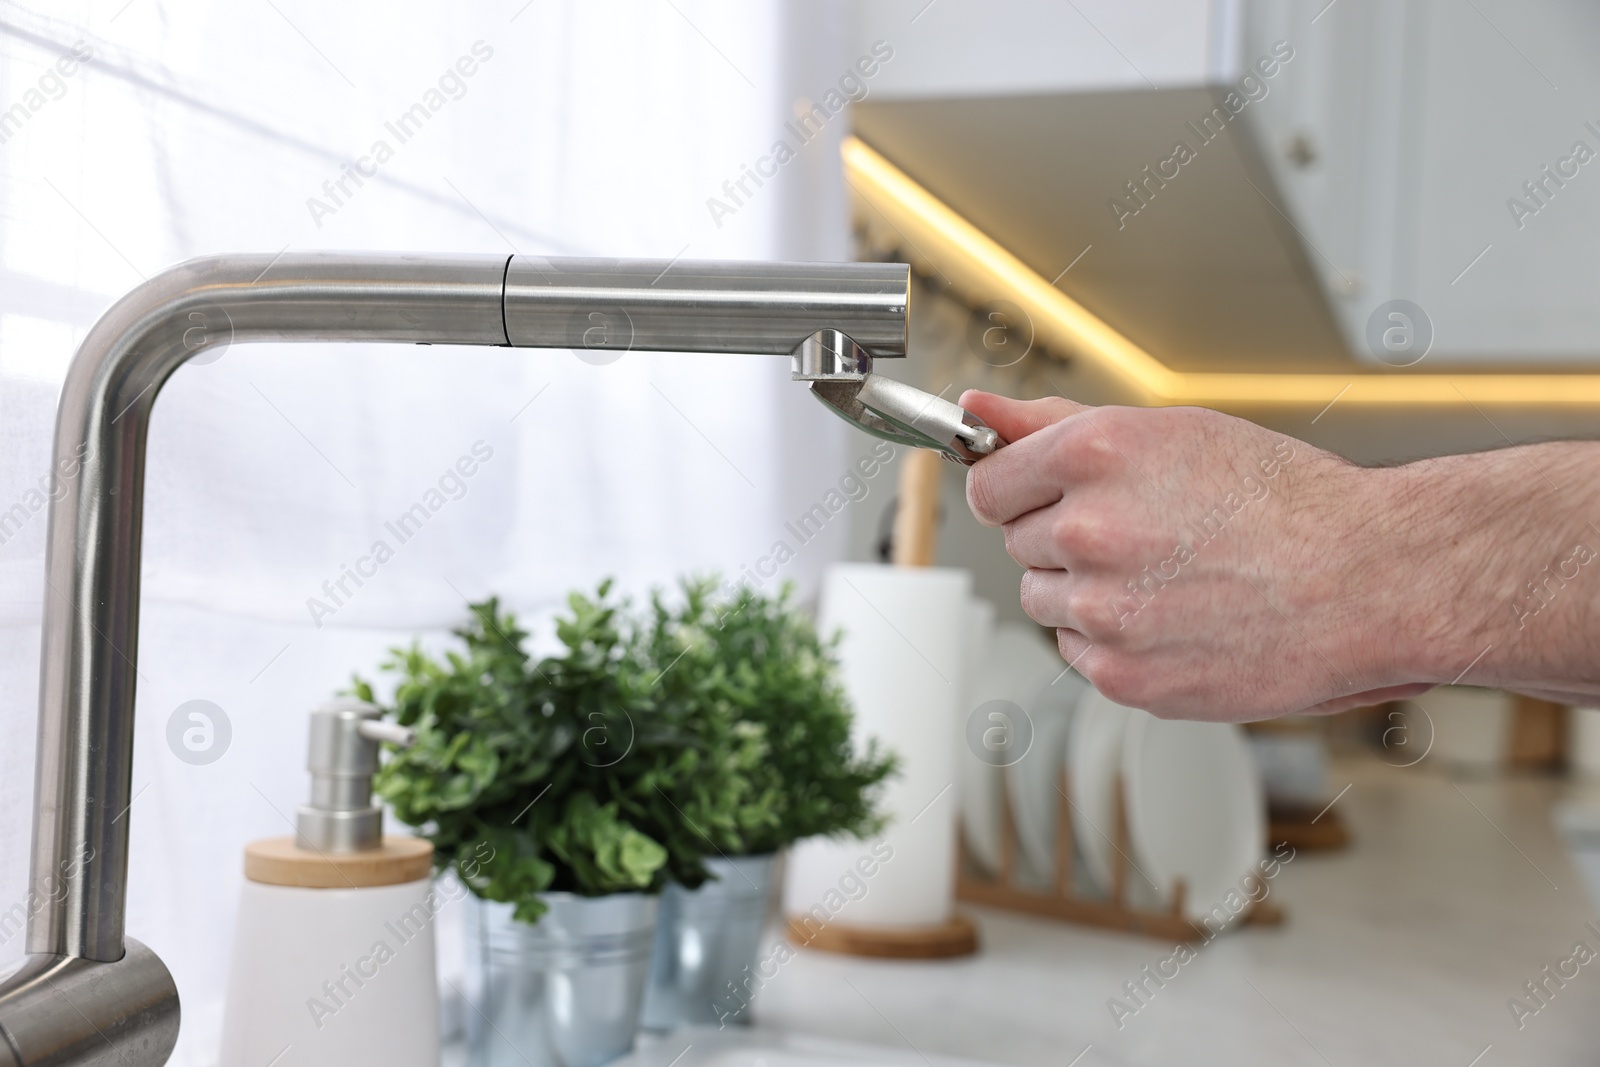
point(86, 994)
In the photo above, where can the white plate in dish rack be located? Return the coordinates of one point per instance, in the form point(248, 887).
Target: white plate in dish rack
point(977, 788)
point(1035, 782)
point(1094, 756)
point(1196, 809)
point(1019, 662)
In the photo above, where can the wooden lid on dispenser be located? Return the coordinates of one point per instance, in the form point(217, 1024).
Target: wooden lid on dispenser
point(279, 861)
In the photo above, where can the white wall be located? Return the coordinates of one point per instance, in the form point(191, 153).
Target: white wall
point(1000, 47)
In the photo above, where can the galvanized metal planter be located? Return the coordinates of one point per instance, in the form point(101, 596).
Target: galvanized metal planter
point(564, 992)
point(706, 946)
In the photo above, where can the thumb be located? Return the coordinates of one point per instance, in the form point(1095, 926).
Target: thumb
point(1016, 419)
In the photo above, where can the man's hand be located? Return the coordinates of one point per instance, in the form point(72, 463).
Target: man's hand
point(1200, 566)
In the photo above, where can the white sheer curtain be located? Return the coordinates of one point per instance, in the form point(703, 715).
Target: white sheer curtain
point(552, 127)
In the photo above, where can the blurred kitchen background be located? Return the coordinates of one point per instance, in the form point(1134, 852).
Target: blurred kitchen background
point(1381, 239)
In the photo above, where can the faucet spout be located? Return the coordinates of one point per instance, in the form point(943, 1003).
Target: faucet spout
point(91, 609)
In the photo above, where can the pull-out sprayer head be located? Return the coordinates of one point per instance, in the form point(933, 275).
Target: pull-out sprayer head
point(343, 758)
point(840, 373)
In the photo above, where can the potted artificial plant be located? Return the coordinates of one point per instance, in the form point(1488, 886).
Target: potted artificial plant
point(579, 787)
point(757, 662)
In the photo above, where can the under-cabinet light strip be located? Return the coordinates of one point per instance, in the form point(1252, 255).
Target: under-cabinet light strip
point(982, 270)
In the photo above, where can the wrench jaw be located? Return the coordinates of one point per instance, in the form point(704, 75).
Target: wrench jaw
point(956, 433)
point(840, 373)
point(979, 440)
point(962, 438)
point(844, 400)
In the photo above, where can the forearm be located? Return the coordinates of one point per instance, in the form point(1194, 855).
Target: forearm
point(1496, 575)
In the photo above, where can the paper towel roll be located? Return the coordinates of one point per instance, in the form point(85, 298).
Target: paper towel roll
point(903, 665)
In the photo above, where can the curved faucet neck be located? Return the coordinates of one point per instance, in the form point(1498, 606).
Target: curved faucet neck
point(91, 610)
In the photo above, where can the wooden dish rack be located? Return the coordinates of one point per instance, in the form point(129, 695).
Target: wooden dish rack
point(1062, 901)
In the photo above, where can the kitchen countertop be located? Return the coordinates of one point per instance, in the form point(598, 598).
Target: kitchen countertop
point(1404, 948)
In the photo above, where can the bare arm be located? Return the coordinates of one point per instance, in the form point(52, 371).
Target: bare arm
point(1200, 566)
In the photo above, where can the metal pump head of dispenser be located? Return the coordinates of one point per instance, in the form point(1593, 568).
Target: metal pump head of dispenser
point(342, 758)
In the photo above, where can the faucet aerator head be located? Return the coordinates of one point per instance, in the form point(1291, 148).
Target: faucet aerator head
point(830, 356)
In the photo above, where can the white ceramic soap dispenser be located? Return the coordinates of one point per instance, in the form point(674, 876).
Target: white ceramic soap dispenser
point(333, 960)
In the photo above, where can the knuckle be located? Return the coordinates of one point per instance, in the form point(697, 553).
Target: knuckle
point(1093, 614)
point(1083, 535)
point(1084, 447)
point(1101, 456)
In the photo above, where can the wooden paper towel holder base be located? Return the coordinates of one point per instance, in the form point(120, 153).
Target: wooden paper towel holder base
point(958, 937)
point(1062, 901)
